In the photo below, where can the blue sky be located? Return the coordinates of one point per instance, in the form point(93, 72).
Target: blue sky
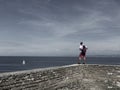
point(56, 27)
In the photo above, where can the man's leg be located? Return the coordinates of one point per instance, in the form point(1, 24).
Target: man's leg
point(84, 58)
point(80, 58)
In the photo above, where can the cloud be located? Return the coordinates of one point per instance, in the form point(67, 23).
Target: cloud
point(55, 27)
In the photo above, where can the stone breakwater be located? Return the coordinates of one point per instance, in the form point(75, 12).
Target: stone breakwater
point(71, 77)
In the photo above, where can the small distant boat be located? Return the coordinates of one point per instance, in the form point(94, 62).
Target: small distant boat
point(23, 62)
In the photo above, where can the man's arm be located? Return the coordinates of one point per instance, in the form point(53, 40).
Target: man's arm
point(86, 47)
point(80, 48)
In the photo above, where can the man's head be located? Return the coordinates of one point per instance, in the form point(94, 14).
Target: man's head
point(81, 43)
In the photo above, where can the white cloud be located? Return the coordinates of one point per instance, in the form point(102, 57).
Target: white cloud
point(54, 28)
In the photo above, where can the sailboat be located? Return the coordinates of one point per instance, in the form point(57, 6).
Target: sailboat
point(23, 62)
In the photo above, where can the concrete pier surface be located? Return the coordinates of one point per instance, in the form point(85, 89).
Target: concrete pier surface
point(69, 77)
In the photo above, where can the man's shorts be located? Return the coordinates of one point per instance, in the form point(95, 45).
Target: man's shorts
point(82, 54)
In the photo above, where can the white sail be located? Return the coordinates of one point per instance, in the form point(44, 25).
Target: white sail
point(23, 62)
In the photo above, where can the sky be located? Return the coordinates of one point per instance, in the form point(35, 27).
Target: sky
point(56, 27)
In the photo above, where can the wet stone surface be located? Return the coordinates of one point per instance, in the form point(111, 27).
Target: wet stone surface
point(71, 77)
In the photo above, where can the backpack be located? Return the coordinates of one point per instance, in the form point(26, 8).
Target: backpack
point(84, 49)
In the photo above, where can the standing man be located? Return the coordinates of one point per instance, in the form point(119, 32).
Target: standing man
point(82, 55)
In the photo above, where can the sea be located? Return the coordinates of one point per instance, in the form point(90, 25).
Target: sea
point(18, 63)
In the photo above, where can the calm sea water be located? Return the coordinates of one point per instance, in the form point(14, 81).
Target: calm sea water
point(9, 64)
